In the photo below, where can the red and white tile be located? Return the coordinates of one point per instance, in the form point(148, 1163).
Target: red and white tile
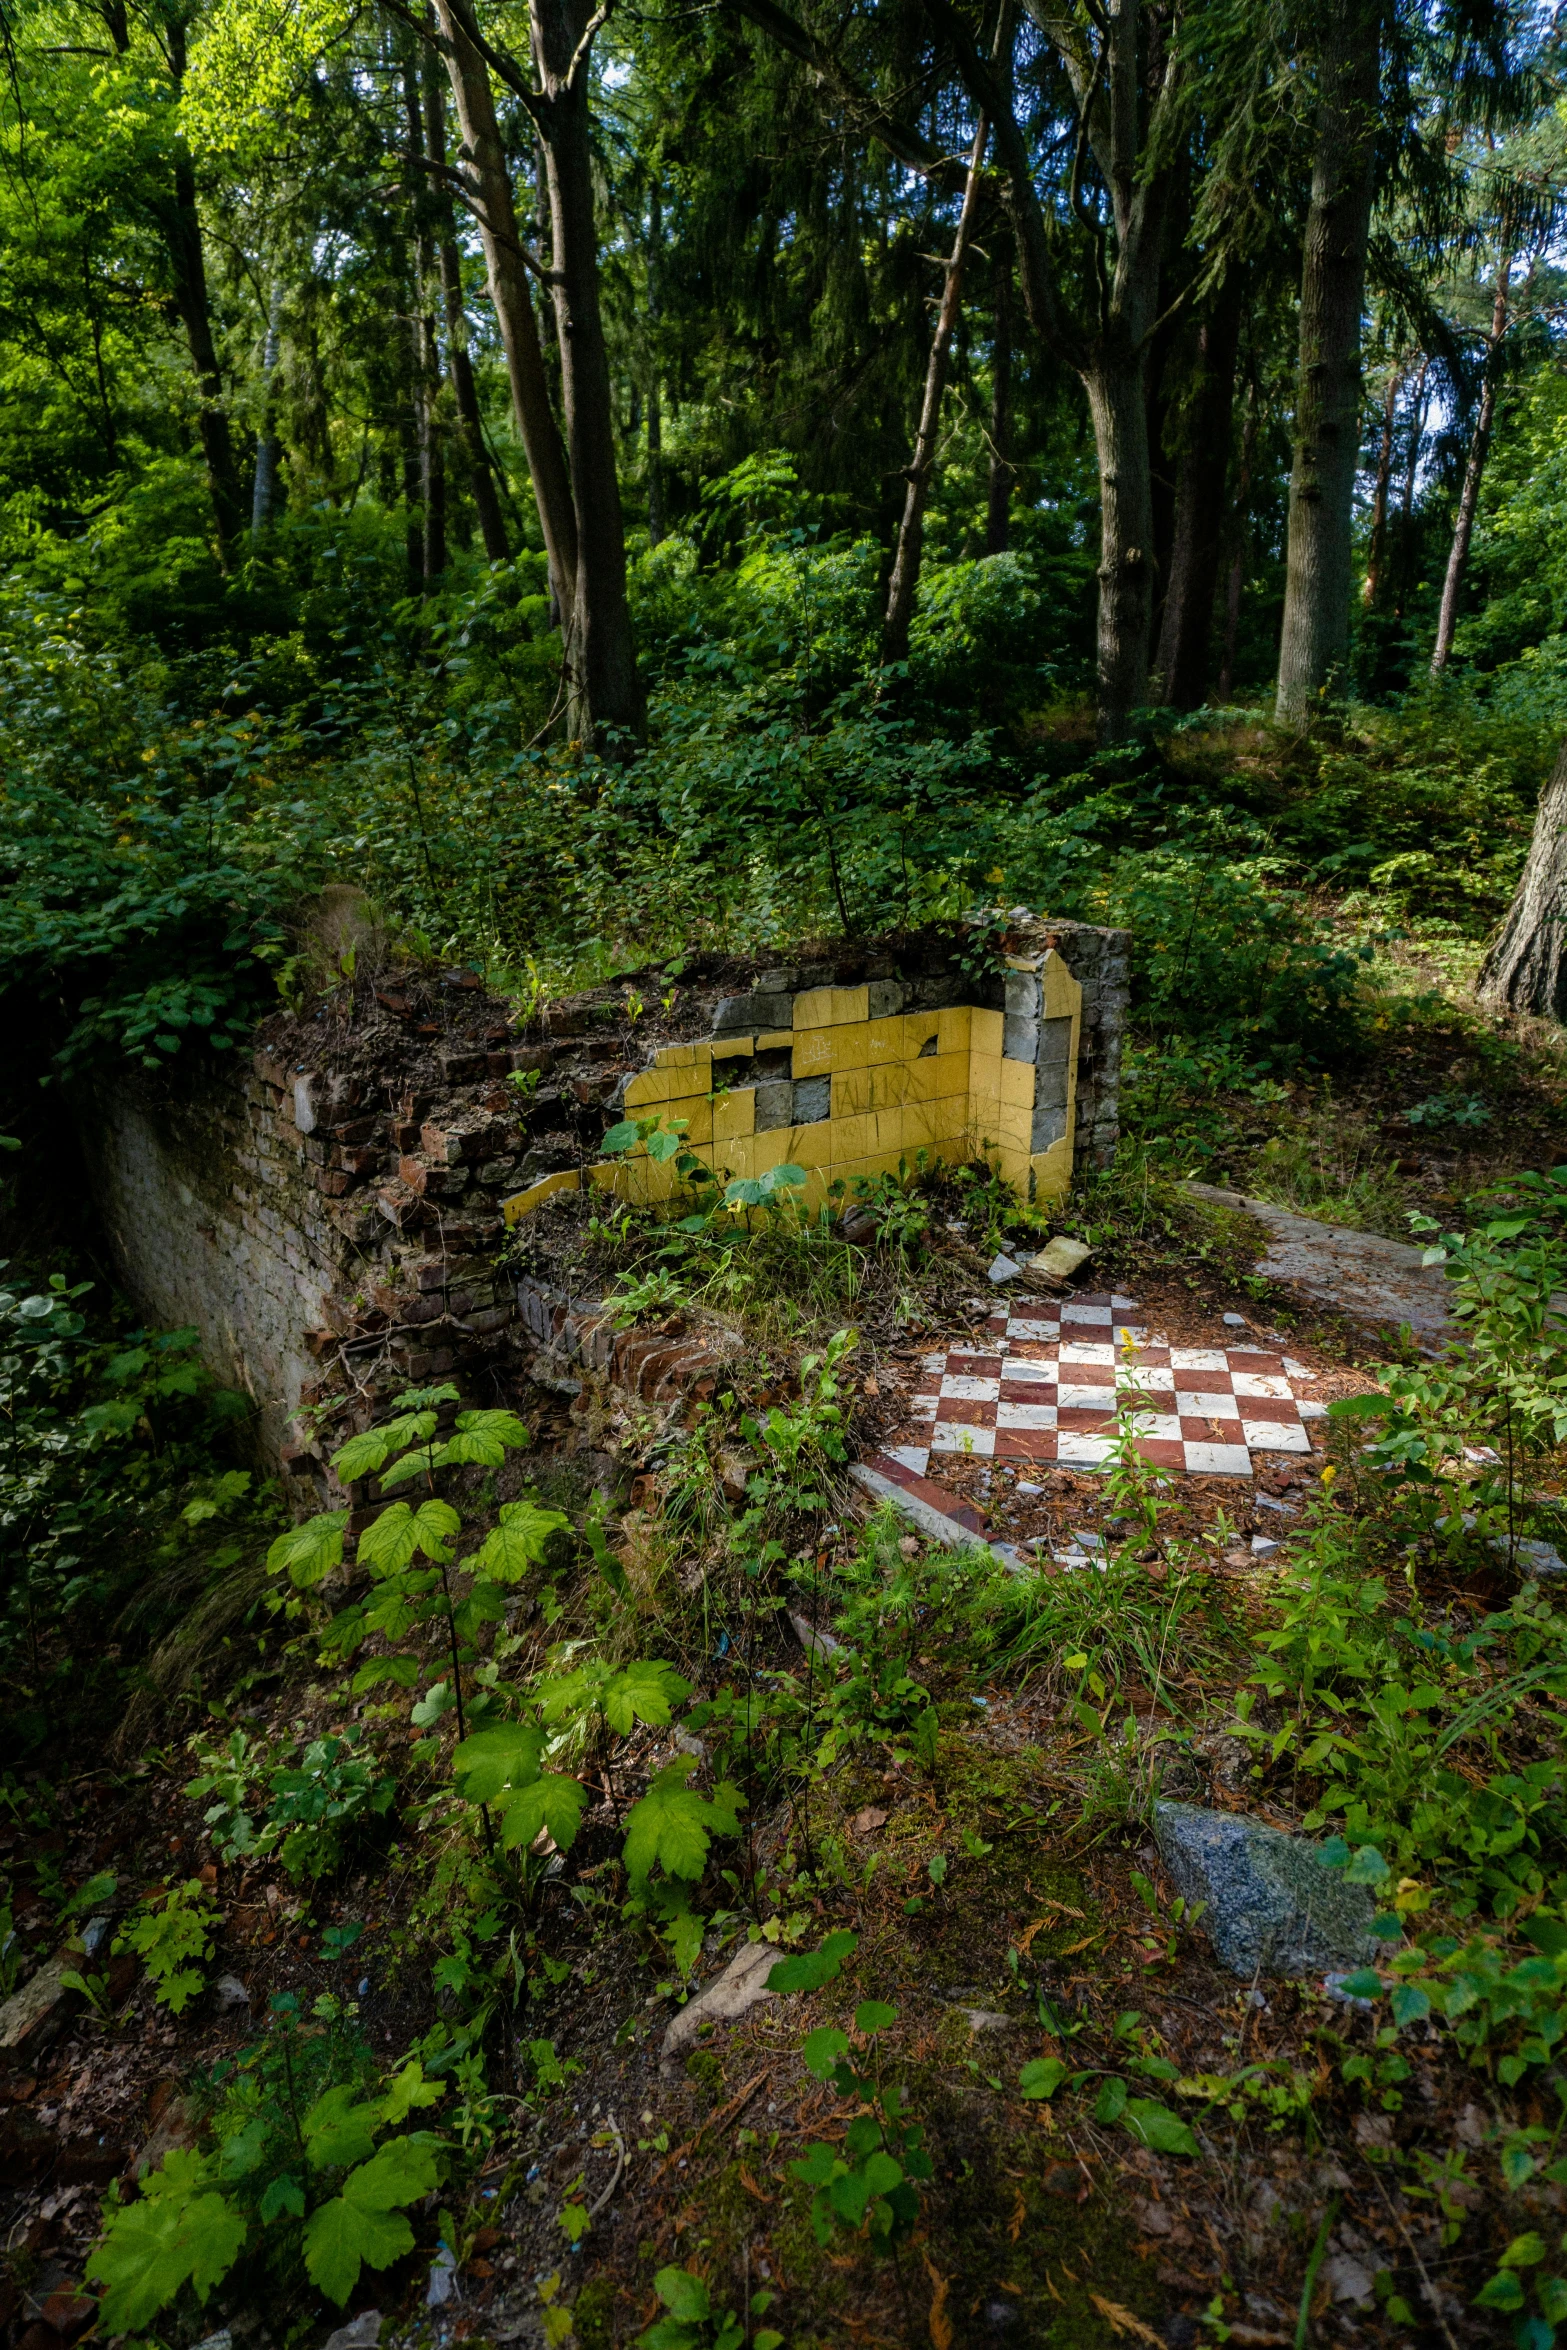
point(1046, 1385)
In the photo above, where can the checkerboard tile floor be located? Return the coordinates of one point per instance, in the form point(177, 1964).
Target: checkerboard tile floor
point(1043, 1386)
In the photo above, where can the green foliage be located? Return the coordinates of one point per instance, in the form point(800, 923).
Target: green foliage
point(309, 2168)
point(173, 1929)
point(694, 2324)
point(871, 2187)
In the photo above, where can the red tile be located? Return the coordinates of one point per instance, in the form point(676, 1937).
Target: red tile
point(948, 1503)
point(897, 1472)
point(964, 1365)
point(968, 1410)
point(1163, 1451)
point(1025, 1444)
point(1076, 1423)
point(1267, 1407)
point(1195, 1431)
point(1028, 1390)
point(1244, 1360)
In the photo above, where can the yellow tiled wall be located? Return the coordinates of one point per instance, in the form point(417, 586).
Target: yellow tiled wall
point(932, 1081)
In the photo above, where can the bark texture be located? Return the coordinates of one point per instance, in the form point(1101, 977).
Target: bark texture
point(459, 367)
point(487, 183)
point(263, 493)
point(606, 695)
point(1198, 542)
point(1318, 573)
point(911, 530)
point(1526, 970)
point(1474, 473)
point(1003, 473)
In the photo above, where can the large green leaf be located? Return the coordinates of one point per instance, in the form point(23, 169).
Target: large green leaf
point(412, 1464)
point(673, 1825)
point(391, 1540)
point(151, 2249)
point(811, 1970)
point(644, 1692)
point(361, 2224)
point(338, 2131)
point(518, 1540)
point(307, 1554)
point(554, 1801)
point(363, 1456)
point(482, 1439)
point(1157, 2127)
point(493, 1760)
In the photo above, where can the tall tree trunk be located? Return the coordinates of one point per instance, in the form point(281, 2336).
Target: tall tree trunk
point(1474, 470)
point(998, 504)
point(911, 531)
point(263, 494)
point(1376, 552)
point(607, 707)
point(1401, 566)
point(1118, 409)
point(1319, 566)
point(188, 266)
point(655, 410)
point(484, 158)
point(459, 367)
point(426, 345)
point(1240, 532)
point(1187, 628)
point(1526, 970)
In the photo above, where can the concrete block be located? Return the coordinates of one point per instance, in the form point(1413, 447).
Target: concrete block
point(812, 1100)
point(884, 996)
point(775, 1103)
point(1020, 1038)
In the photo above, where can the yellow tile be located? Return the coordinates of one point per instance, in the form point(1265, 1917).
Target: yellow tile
point(1052, 1170)
point(953, 1029)
point(851, 1046)
point(818, 1146)
point(887, 1040)
point(852, 1092)
point(986, 1030)
point(814, 1053)
point(1014, 1131)
point(1063, 996)
point(698, 1116)
point(949, 1073)
point(733, 1048)
point(1013, 1167)
point(523, 1203)
point(775, 1040)
point(681, 1056)
point(1017, 1083)
point(604, 1174)
point(765, 1151)
point(734, 1114)
point(831, 1007)
point(651, 1086)
point(919, 1030)
point(890, 1088)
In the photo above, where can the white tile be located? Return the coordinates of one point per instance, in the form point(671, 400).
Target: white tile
point(910, 1456)
point(1310, 1409)
point(1298, 1370)
point(1218, 1460)
point(1018, 1328)
point(1275, 1436)
point(1033, 1374)
point(1130, 1334)
point(1260, 1383)
point(965, 1383)
point(1102, 1355)
point(1083, 1452)
point(1090, 1314)
point(1086, 1399)
point(1199, 1403)
point(1199, 1358)
point(923, 1407)
point(1025, 1415)
point(958, 1436)
point(1158, 1378)
point(937, 1363)
point(1165, 1425)
point(1123, 1305)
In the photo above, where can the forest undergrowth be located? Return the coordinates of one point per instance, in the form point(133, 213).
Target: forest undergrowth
point(410, 1871)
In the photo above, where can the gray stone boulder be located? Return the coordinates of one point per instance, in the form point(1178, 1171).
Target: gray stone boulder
point(1271, 1904)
